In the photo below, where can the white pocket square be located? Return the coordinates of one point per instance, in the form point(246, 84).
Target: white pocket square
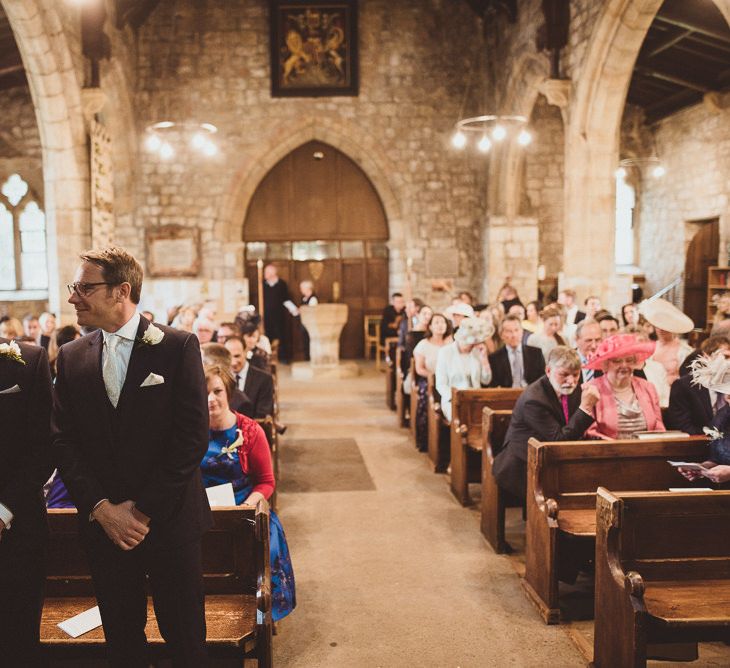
point(11, 390)
point(152, 379)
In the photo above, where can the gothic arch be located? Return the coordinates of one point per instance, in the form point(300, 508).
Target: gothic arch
point(593, 135)
point(56, 94)
point(282, 140)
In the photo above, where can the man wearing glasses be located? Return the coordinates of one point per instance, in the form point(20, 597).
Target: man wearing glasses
point(130, 427)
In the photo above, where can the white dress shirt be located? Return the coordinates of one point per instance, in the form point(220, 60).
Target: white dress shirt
point(127, 334)
point(241, 377)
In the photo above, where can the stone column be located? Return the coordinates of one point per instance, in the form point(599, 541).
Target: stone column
point(511, 249)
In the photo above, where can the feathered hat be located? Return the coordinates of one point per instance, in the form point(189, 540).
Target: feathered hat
point(712, 372)
point(473, 330)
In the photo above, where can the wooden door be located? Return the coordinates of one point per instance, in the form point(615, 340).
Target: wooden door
point(702, 253)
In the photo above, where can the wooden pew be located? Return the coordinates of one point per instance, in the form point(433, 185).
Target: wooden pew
point(413, 408)
point(391, 344)
point(662, 572)
point(466, 433)
point(400, 398)
point(272, 437)
point(494, 499)
point(562, 479)
point(438, 429)
point(237, 578)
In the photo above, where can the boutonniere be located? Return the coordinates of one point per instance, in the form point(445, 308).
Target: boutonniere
point(714, 434)
point(12, 351)
point(231, 449)
point(151, 337)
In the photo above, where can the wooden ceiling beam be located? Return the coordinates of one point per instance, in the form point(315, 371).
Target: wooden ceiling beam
point(669, 105)
point(704, 55)
point(673, 19)
point(672, 78)
point(668, 43)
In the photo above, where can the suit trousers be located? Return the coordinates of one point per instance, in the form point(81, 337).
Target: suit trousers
point(22, 582)
point(176, 583)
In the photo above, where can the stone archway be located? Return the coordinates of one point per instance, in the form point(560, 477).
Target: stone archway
point(56, 94)
point(592, 143)
point(281, 140)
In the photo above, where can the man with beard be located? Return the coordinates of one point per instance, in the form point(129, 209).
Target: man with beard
point(553, 408)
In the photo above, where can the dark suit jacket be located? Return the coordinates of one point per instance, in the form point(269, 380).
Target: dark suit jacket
point(689, 406)
point(45, 341)
point(259, 388)
point(150, 447)
point(537, 413)
point(533, 366)
point(580, 315)
point(240, 403)
point(390, 323)
point(25, 452)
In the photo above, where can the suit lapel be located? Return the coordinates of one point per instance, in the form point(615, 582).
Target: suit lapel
point(92, 373)
point(553, 402)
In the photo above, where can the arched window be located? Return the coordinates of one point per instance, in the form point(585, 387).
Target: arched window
point(625, 202)
point(23, 261)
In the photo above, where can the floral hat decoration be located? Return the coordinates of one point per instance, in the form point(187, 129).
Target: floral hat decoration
point(620, 345)
point(712, 372)
point(473, 330)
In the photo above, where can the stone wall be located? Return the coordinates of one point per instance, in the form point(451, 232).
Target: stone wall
point(544, 174)
point(20, 141)
point(414, 66)
point(694, 146)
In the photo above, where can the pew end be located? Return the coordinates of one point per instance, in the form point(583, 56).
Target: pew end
point(237, 581)
point(662, 572)
point(562, 479)
point(494, 500)
point(465, 434)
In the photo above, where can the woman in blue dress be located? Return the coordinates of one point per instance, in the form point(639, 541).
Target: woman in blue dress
point(238, 453)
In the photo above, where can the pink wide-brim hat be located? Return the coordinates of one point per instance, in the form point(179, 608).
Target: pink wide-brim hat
point(620, 345)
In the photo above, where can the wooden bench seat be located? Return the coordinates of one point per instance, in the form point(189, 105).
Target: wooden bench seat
point(438, 429)
point(562, 479)
point(662, 573)
point(466, 433)
point(236, 575)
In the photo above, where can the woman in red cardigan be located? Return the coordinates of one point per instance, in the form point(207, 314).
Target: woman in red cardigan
point(628, 404)
point(238, 453)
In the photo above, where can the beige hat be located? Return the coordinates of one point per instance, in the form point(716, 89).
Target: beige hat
point(460, 308)
point(666, 316)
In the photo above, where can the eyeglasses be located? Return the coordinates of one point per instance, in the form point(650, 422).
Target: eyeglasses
point(84, 289)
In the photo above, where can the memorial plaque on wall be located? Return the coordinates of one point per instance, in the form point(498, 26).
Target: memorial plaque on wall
point(173, 250)
point(102, 186)
point(442, 262)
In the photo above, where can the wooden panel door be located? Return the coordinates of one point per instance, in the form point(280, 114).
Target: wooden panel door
point(702, 253)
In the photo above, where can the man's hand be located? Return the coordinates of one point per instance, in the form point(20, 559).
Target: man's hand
point(719, 473)
point(589, 398)
point(120, 524)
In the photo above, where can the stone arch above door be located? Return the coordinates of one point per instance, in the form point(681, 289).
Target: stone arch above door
point(280, 140)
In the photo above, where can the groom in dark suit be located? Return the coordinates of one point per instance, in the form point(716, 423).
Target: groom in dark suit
point(25, 416)
point(130, 427)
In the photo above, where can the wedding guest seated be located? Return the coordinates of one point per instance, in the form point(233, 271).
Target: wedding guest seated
point(59, 338)
point(411, 341)
point(251, 334)
point(693, 406)
point(438, 334)
point(493, 343)
point(32, 329)
point(149, 315)
point(553, 408)
point(668, 322)
point(531, 322)
point(608, 323)
point(723, 308)
point(48, 327)
point(392, 315)
point(592, 306)
point(204, 330)
point(628, 404)
point(413, 308)
point(457, 312)
point(11, 328)
point(630, 314)
point(218, 354)
point(508, 295)
point(464, 363)
point(226, 330)
point(587, 339)
point(184, 319)
point(549, 338)
point(573, 314)
point(256, 384)
point(239, 454)
point(515, 364)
